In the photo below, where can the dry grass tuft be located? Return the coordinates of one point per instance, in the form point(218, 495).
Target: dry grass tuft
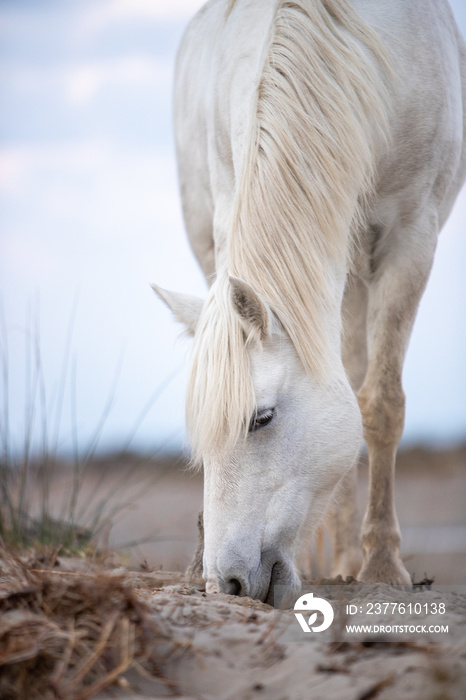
point(69, 636)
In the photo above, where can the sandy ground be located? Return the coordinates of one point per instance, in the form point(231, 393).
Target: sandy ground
point(233, 651)
point(229, 648)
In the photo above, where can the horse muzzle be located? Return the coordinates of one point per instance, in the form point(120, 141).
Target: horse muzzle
point(274, 581)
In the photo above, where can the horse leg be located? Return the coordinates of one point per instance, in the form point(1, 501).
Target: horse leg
point(344, 510)
point(344, 527)
point(196, 565)
point(394, 295)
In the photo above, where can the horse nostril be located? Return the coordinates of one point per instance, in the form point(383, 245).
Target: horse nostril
point(233, 579)
point(233, 587)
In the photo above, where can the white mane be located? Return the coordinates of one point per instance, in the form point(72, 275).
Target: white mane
point(321, 104)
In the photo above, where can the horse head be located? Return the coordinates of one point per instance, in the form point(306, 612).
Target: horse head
point(269, 480)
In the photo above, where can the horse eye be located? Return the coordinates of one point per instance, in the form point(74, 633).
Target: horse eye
point(260, 419)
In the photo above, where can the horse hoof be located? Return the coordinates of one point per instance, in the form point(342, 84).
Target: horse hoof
point(380, 568)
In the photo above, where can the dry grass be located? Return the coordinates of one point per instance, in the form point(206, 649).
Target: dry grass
point(68, 636)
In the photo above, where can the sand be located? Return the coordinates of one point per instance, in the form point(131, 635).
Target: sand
point(229, 648)
point(233, 648)
point(221, 647)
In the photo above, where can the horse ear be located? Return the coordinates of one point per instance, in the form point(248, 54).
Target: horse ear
point(250, 306)
point(186, 308)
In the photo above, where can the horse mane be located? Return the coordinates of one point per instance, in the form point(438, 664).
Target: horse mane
point(308, 170)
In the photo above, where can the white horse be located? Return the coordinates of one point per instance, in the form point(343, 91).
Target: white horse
point(321, 146)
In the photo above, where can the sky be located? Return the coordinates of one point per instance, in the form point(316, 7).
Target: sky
point(90, 215)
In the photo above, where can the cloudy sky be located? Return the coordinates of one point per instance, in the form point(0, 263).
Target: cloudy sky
point(90, 215)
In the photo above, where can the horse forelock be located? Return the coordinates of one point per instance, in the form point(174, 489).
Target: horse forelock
point(220, 396)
